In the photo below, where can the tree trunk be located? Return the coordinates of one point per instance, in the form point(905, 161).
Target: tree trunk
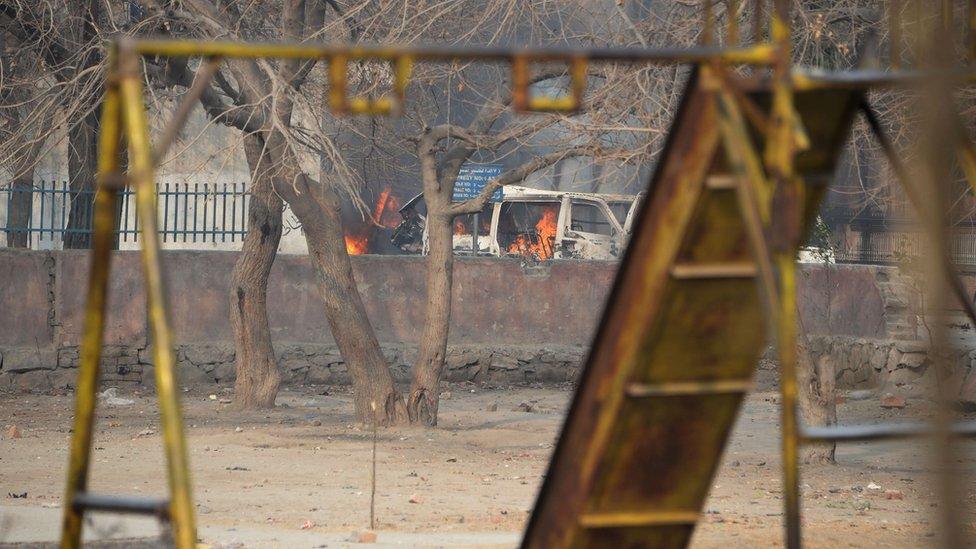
point(19, 210)
point(817, 401)
point(427, 371)
point(316, 205)
point(376, 395)
point(256, 385)
point(82, 162)
point(83, 136)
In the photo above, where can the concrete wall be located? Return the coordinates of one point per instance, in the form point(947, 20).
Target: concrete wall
point(511, 322)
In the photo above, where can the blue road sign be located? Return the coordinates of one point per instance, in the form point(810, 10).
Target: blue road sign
point(472, 179)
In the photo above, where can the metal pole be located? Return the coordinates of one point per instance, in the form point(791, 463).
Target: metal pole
point(91, 343)
point(141, 166)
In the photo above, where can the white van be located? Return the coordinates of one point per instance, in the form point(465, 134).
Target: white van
point(534, 224)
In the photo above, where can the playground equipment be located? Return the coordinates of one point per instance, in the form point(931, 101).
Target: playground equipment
point(712, 255)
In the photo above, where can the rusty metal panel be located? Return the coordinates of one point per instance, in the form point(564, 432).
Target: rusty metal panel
point(677, 345)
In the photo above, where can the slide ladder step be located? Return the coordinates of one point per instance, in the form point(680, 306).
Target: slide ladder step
point(681, 388)
point(638, 519)
point(721, 182)
point(699, 271)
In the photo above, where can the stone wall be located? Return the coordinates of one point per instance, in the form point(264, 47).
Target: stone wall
point(511, 323)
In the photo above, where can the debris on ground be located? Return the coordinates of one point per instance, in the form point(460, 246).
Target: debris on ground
point(13, 432)
point(861, 394)
point(308, 525)
point(17, 495)
point(414, 498)
point(238, 429)
point(111, 398)
point(146, 433)
point(894, 494)
point(366, 536)
point(893, 401)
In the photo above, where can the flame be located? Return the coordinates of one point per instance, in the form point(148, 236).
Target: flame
point(385, 214)
point(459, 227)
point(541, 246)
point(356, 245)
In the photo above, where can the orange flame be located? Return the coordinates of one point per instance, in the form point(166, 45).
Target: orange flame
point(385, 214)
point(542, 245)
point(459, 228)
point(356, 245)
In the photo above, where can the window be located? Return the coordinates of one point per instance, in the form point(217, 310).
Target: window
point(588, 218)
point(528, 228)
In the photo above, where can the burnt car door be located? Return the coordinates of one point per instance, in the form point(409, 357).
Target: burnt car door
point(591, 231)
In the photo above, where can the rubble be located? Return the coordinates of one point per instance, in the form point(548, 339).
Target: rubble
point(111, 397)
point(366, 536)
point(893, 401)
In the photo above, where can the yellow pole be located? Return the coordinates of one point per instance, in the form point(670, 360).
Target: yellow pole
point(780, 149)
point(141, 173)
point(91, 342)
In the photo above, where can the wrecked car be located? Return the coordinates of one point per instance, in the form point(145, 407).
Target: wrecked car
point(532, 223)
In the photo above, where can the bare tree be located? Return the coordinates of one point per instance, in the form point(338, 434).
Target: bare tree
point(628, 109)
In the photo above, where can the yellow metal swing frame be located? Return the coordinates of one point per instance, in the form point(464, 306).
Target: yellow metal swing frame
point(756, 177)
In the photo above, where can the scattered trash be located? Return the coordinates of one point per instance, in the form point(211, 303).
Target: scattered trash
point(366, 536)
point(452, 460)
point(873, 486)
point(17, 495)
point(213, 397)
point(414, 498)
point(111, 397)
point(308, 525)
point(225, 401)
point(893, 401)
point(862, 394)
point(238, 429)
point(236, 468)
point(146, 433)
point(13, 432)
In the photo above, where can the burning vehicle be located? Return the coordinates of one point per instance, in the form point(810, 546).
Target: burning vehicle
point(532, 223)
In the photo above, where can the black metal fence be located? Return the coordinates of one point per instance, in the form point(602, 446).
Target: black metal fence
point(50, 213)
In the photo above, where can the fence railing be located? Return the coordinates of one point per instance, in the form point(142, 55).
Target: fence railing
point(49, 213)
point(892, 247)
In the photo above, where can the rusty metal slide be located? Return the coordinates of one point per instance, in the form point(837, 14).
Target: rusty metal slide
point(678, 342)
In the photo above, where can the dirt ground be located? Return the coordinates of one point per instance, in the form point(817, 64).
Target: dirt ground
point(298, 476)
